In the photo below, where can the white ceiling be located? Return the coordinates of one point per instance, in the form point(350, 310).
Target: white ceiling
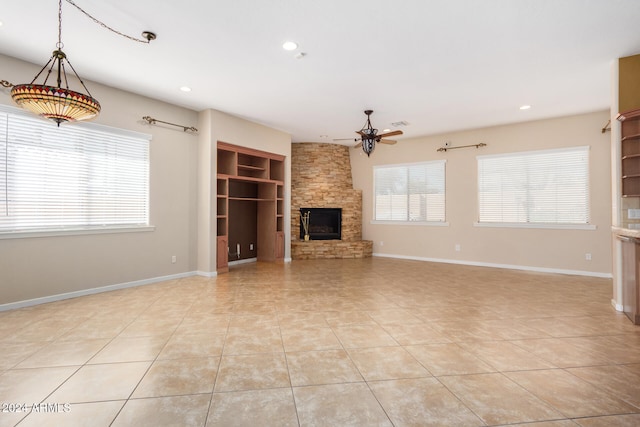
point(440, 65)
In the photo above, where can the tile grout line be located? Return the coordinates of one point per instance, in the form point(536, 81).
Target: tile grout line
point(150, 364)
point(286, 361)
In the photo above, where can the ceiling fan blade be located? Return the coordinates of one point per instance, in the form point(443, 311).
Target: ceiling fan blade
point(393, 133)
point(388, 141)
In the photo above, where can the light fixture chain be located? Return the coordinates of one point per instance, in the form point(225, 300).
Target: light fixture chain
point(79, 78)
point(59, 45)
point(102, 24)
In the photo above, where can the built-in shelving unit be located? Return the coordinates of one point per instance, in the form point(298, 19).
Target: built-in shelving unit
point(280, 210)
point(630, 151)
point(251, 176)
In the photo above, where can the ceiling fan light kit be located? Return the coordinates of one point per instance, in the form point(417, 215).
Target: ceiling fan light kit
point(369, 136)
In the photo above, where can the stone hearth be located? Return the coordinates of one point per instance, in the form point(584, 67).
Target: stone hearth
point(321, 178)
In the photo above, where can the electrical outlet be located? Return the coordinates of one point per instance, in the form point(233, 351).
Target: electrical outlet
point(587, 257)
point(250, 246)
point(174, 259)
point(381, 243)
point(457, 247)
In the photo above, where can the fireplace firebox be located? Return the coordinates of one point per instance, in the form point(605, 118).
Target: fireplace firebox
point(324, 223)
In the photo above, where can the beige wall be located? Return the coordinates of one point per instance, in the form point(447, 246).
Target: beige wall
point(183, 164)
point(181, 196)
point(539, 249)
point(32, 268)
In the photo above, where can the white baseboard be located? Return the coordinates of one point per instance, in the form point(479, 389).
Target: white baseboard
point(242, 261)
point(505, 266)
point(618, 307)
point(207, 273)
point(84, 292)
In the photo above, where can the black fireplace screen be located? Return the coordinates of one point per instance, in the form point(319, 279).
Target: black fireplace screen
point(324, 223)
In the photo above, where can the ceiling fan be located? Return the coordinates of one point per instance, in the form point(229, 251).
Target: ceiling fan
point(369, 136)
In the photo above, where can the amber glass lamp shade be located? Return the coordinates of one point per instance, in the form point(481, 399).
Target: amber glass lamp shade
point(55, 103)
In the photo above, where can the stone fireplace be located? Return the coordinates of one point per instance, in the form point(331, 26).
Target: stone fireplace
point(321, 178)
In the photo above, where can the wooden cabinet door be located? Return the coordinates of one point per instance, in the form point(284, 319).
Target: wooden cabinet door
point(279, 245)
point(222, 262)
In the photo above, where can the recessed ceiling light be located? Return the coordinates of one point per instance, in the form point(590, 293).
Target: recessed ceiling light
point(386, 130)
point(525, 107)
point(185, 89)
point(290, 46)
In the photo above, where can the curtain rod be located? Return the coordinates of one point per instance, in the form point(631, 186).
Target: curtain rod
point(482, 144)
point(153, 121)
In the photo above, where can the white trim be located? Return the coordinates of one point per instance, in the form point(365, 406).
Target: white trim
point(85, 292)
point(242, 261)
point(423, 223)
point(618, 286)
point(618, 307)
point(550, 226)
point(23, 234)
point(207, 273)
point(505, 266)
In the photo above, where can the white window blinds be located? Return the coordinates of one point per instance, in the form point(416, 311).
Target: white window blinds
point(544, 187)
point(72, 176)
point(414, 192)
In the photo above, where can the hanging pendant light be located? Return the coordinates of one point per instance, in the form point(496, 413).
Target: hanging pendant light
point(56, 103)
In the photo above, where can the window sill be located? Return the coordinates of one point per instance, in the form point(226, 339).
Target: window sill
point(74, 231)
point(535, 225)
point(422, 223)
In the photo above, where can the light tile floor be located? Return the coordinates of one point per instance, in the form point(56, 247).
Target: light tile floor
point(327, 343)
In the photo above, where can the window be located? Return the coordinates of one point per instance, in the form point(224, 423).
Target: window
point(79, 176)
point(414, 192)
point(537, 187)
